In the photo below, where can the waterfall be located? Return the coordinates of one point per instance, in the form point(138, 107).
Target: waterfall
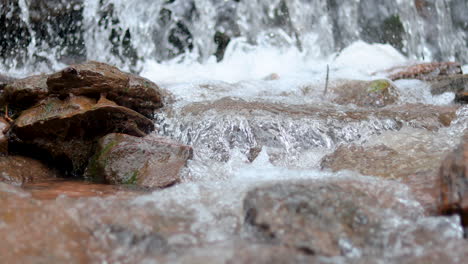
point(45, 35)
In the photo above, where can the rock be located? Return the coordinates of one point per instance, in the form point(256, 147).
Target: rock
point(377, 93)
point(67, 129)
point(462, 97)
point(150, 161)
point(19, 170)
point(425, 71)
point(4, 80)
point(4, 126)
point(317, 219)
point(452, 83)
point(453, 178)
point(23, 93)
point(93, 78)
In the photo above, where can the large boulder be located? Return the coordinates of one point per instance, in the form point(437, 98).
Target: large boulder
point(150, 161)
point(66, 130)
point(94, 78)
point(4, 126)
point(376, 93)
point(454, 182)
point(23, 93)
point(19, 170)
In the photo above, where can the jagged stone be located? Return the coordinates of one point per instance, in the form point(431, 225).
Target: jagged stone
point(67, 129)
point(93, 78)
point(149, 161)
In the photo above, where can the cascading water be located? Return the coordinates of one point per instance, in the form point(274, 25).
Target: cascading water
point(247, 83)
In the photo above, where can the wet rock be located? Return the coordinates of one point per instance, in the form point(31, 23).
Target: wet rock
point(23, 93)
point(377, 93)
point(67, 129)
point(425, 71)
point(150, 161)
point(462, 97)
point(19, 170)
point(454, 182)
point(4, 126)
point(453, 83)
point(4, 80)
point(317, 219)
point(93, 78)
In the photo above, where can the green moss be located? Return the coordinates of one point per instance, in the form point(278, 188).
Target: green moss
point(133, 178)
point(98, 161)
point(378, 86)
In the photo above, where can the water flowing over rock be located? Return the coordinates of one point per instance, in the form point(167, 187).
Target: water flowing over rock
point(67, 129)
point(95, 78)
point(19, 170)
point(454, 182)
point(149, 161)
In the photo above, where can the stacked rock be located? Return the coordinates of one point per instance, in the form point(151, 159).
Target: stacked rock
point(61, 118)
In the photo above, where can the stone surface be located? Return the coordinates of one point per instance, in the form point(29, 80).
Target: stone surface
point(4, 126)
point(376, 93)
point(150, 161)
point(93, 78)
point(317, 219)
point(23, 93)
point(67, 129)
point(452, 83)
point(19, 170)
point(462, 97)
point(425, 71)
point(454, 182)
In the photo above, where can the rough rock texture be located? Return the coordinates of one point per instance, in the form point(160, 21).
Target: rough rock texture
point(453, 83)
point(67, 129)
point(319, 219)
point(26, 92)
point(93, 78)
point(425, 71)
point(4, 80)
point(19, 170)
point(151, 162)
point(4, 126)
point(454, 182)
point(377, 93)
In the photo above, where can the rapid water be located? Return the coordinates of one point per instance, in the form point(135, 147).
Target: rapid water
point(250, 75)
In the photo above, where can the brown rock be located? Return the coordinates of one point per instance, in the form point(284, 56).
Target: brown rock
point(4, 80)
point(4, 126)
point(151, 162)
point(315, 218)
point(376, 93)
point(23, 93)
point(454, 182)
point(462, 97)
point(93, 78)
point(66, 130)
point(452, 83)
point(19, 170)
point(425, 71)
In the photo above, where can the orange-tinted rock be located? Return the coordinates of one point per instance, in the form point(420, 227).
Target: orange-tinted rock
point(454, 182)
point(66, 130)
point(93, 78)
point(149, 161)
point(23, 93)
point(4, 126)
point(19, 170)
point(376, 93)
point(426, 71)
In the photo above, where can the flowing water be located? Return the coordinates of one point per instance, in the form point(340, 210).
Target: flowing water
point(246, 76)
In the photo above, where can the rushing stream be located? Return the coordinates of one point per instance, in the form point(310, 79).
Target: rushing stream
point(247, 80)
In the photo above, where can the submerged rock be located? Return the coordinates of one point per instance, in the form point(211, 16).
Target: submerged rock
point(454, 182)
point(150, 161)
point(425, 71)
point(318, 219)
point(23, 93)
point(19, 170)
point(376, 93)
point(93, 78)
point(67, 129)
point(4, 126)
